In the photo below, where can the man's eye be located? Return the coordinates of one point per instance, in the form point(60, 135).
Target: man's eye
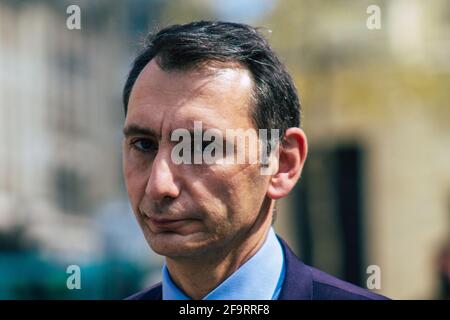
point(144, 145)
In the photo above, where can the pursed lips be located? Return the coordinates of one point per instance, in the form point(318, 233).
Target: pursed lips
point(165, 222)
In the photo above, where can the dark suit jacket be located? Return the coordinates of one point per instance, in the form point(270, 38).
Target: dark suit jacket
point(302, 282)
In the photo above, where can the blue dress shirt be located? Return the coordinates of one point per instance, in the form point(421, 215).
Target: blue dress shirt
point(260, 278)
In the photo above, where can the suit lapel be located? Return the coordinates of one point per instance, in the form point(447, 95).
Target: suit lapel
point(298, 284)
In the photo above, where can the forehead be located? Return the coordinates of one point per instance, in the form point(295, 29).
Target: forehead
point(219, 97)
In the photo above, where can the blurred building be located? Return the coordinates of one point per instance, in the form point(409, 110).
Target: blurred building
point(376, 186)
point(58, 125)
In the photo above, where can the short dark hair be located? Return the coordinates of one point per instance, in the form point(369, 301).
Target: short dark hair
point(192, 45)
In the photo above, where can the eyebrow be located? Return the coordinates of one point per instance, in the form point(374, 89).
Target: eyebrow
point(134, 130)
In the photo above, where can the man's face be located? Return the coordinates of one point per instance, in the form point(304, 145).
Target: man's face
point(189, 209)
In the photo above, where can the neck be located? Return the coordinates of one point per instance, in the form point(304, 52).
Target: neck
point(197, 277)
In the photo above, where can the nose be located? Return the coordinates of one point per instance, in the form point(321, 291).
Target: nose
point(162, 184)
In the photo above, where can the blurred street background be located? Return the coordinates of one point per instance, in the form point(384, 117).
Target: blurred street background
point(375, 189)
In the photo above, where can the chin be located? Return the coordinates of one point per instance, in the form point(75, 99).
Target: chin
point(175, 245)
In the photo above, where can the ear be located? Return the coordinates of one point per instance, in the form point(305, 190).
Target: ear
point(292, 155)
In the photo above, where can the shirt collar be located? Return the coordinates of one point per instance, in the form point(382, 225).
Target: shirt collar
point(260, 278)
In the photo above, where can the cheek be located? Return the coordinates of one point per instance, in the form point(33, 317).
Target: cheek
point(208, 190)
point(247, 191)
point(135, 180)
point(226, 193)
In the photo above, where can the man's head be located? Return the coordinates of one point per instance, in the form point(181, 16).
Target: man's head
point(275, 102)
point(226, 76)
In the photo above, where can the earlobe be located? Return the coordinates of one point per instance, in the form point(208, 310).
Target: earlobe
point(292, 156)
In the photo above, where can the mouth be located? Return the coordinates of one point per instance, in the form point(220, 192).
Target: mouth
point(160, 222)
point(165, 224)
point(179, 226)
